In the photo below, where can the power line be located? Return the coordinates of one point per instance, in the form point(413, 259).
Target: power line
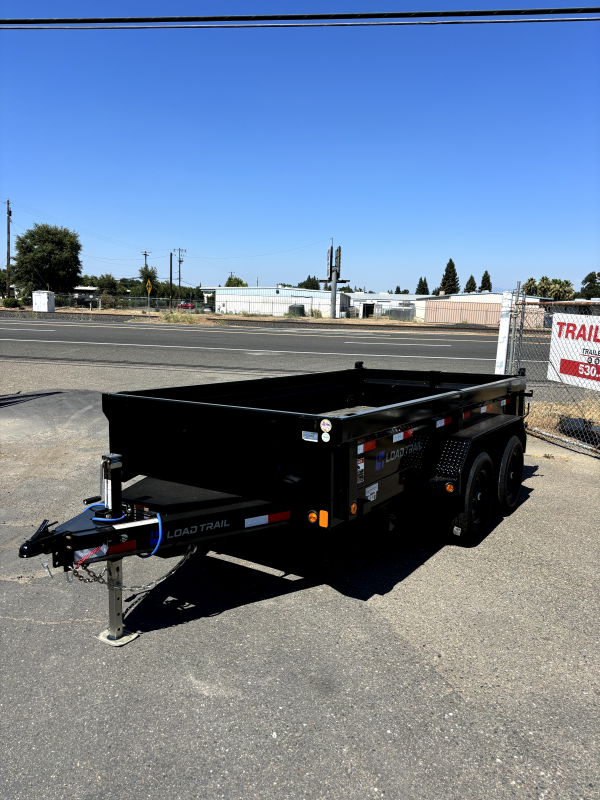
point(300, 24)
point(82, 230)
point(282, 18)
point(262, 255)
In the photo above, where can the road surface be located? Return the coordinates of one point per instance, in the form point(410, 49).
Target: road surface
point(104, 356)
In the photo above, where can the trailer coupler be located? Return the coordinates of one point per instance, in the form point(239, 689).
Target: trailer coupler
point(43, 541)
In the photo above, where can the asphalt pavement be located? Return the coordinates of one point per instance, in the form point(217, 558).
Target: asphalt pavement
point(394, 666)
point(98, 355)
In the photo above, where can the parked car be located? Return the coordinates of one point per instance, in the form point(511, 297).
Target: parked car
point(185, 306)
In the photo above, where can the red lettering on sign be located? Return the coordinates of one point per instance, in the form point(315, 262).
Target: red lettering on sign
point(561, 325)
point(570, 330)
point(581, 333)
point(589, 372)
point(596, 339)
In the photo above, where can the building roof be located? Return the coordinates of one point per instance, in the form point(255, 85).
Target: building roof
point(268, 291)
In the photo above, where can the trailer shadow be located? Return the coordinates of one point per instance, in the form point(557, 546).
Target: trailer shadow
point(240, 571)
point(18, 398)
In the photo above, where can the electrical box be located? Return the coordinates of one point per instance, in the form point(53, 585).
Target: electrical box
point(43, 301)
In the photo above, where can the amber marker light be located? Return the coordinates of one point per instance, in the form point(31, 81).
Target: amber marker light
point(353, 508)
point(312, 516)
point(449, 487)
point(323, 519)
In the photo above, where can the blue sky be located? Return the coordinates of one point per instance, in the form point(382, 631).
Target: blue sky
point(407, 145)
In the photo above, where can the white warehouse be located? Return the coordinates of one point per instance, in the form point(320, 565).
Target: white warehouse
point(275, 300)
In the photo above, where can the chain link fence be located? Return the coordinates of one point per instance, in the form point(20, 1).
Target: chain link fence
point(558, 345)
point(106, 302)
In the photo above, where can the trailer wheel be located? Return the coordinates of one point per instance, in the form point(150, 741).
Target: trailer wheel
point(477, 502)
point(510, 476)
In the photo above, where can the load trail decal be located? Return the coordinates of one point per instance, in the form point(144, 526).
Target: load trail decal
point(575, 351)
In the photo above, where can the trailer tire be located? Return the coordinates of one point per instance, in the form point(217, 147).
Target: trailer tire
point(477, 502)
point(510, 476)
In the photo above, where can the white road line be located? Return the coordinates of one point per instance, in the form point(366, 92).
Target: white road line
point(403, 344)
point(239, 349)
point(46, 330)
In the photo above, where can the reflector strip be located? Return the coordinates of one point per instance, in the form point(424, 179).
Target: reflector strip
point(484, 409)
point(398, 437)
point(466, 414)
point(279, 517)
point(365, 447)
point(439, 423)
point(505, 402)
point(265, 519)
point(123, 547)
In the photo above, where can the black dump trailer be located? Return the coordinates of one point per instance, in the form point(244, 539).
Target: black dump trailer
point(319, 451)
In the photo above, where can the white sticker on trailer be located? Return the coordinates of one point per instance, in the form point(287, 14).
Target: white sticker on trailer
point(253, 521)
point(310, 436)
point(371, 491)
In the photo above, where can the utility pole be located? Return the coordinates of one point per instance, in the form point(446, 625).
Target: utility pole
point(179, 251)
point(145, 253)
point(8, 215)
point(170, 280)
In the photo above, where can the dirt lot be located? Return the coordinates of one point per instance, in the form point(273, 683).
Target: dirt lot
point(400, 667)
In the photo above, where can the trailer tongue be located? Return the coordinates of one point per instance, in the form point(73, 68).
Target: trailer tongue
point(320, 450)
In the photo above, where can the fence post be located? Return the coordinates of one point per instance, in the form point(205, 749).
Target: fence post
point(503, 332)
point(513, 328)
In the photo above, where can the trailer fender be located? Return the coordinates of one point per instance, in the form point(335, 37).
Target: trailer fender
point(460, 450)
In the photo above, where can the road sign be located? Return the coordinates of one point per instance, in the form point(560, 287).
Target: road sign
point(338, 260)
point(148, 286)
point(329, 262)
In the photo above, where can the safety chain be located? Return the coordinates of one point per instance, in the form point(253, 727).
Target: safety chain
point(98, 578)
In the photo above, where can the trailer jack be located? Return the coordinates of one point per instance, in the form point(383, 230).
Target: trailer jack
point(115, 635)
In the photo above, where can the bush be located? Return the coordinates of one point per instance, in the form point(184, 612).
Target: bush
point(10, 302)
point(316, 313)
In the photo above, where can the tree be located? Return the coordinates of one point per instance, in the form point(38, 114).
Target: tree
point(47, 257)
point(88, 280)
point(128, 283)
point(398, 290)
point(470, 285)
point(106, 283)
point(310, 283)
point(422, 287)
point(561, 289)
point(404, 291)
point(544, 286)
point(450, 284)
point(162, 289)
point(234, 281)
point(530, 287)
point(436, 291)
point(486, 282)
point(590, 286)
point(347, 290)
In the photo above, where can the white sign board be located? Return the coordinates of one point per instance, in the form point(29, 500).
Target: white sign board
point(575, 351)
point(503, 332)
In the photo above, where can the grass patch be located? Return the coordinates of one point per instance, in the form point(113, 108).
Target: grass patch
point(553, 418)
